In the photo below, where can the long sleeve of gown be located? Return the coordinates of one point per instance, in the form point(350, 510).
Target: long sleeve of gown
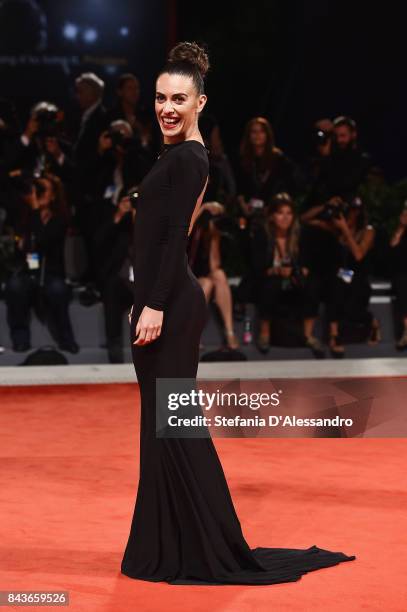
point(187, 179)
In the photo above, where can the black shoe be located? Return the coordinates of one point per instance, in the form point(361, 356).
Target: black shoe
point(316, 347)
point(21, 346)
point(70, 346)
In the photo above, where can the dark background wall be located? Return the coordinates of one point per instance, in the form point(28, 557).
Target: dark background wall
point(293, 62)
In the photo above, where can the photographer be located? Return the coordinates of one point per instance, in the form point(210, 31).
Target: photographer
point(346, 281)
point(338, 166)
point(121, 162)
point(41, 147)
point(349, 165)
point(398, 254)
point(129, 108)
point(276, 261)
point(38, 278)
point(112, 245)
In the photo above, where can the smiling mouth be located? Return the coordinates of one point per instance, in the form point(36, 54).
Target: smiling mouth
point(170, 122)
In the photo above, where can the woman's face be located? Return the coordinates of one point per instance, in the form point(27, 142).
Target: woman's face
point(283, 217)
point(257, 136)
point(177, 106)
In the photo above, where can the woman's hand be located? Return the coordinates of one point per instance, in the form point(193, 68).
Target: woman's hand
point(123, 208)
point(148, 326)
point(104, 143)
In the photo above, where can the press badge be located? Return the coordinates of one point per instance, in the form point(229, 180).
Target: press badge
point(346, 275)
point(33, 261)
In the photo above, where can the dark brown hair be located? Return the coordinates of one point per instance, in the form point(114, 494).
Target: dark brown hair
point(189, 59)
point(58, 206)
point(293, 234)
point(247, 153)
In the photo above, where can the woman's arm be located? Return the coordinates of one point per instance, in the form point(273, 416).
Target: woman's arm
point(397, 236)
point(359, 249)
point(187, 175)
point(311, 213)
point(401, 229)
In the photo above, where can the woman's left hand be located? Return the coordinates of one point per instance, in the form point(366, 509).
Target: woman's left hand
point(148, 326)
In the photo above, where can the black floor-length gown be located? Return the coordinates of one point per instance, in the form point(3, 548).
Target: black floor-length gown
point(185, 529)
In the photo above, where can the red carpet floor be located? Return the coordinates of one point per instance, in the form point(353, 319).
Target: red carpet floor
point(69, 459)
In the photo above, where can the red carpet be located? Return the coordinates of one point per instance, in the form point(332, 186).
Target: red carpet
point(69, 479)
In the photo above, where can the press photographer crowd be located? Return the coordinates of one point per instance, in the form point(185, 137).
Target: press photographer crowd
point(294, 235)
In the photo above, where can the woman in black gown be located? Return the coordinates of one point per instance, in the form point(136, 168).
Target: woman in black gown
point(184, 529)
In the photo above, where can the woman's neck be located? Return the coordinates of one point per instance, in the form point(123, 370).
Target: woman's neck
point(194, 135)
point(280, 232)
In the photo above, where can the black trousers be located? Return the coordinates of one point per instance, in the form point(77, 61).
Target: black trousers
point(343, 300)
point(22, 292)
point(117, 297)
point(274, 300)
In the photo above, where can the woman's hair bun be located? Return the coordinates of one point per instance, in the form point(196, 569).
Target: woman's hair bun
point(192, 53)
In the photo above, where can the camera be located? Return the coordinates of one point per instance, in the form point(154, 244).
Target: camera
point(118, 139)
point(332, 211)
point(321, 137)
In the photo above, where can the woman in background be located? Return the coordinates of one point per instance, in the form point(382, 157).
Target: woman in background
point(275, 246)
point(204, 254)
